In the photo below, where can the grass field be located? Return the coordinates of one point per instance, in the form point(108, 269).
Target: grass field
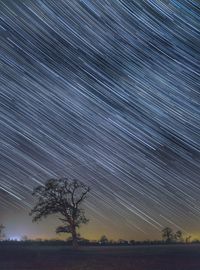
point(171, 257)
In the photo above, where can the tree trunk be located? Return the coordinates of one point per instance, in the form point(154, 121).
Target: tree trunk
point(74, 239)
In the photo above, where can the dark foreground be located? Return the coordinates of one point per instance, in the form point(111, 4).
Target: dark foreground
point(177, 257)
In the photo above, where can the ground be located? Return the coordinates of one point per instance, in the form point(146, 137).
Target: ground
point(165, 257)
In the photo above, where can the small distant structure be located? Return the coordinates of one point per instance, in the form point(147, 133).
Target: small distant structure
point(122, 242)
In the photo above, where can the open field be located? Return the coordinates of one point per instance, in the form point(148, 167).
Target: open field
point(171, 257)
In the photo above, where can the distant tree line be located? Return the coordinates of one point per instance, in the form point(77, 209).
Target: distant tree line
point(86, 242)
point(104, 241)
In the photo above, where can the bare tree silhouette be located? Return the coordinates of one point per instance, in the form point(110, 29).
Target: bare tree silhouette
point(167, 235)
point(2, 235)
point(62, 196)
point(178, 236)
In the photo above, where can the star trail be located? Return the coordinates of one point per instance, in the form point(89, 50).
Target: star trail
point(107, 92)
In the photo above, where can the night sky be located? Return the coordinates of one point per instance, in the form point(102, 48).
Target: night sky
point(108, 92)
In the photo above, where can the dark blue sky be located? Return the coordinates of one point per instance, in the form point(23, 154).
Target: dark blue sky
point(107, 92)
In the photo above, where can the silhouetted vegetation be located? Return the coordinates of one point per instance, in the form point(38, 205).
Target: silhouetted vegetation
point(103, 240)
point(167, 235)
point(85, 242)
point(170, 237)
point(178, 236)
point(2, 235)
point(63, 197)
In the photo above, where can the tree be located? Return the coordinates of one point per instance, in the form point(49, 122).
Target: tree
point(178, 236)
point(1, 232)
point(24, 238)
point(103, 240)
point(64, 197)
point(167, 235)
point(187, 239)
